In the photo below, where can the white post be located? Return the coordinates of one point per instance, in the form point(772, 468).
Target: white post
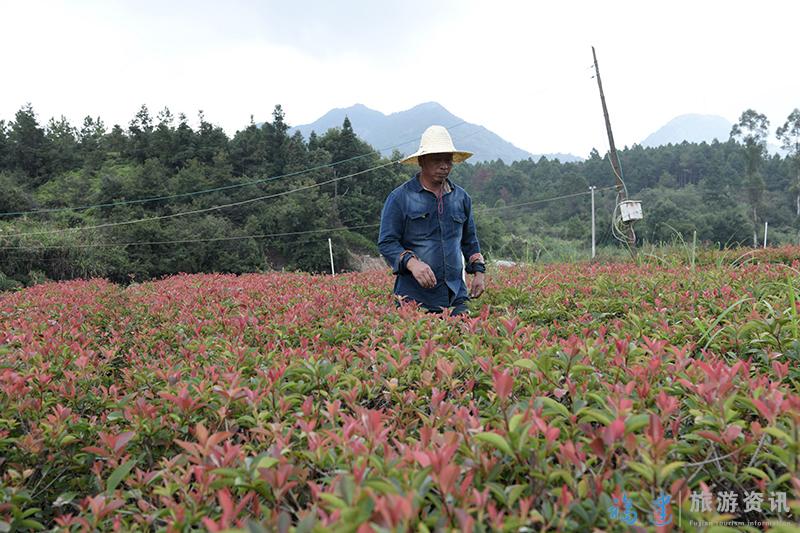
point(766, 224)
point(330, 250)
point(592, 188)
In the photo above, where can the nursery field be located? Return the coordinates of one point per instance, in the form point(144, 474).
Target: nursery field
point(651, 396)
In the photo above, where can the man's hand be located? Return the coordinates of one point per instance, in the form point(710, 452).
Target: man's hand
point(478, 284)
point(422, 273)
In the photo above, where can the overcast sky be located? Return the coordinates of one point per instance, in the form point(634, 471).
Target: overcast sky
point(521, 69)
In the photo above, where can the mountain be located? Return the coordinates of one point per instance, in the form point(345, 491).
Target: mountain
point(693, 128)
point(402, 131)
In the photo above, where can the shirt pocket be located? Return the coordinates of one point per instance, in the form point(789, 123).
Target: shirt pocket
point(455, 224)
point(419, 225)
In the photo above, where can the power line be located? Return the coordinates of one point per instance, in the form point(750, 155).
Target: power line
point(182, 241)
point(543, 200)
point(184, 194)
point(266, 235)
point(215, 189)
point(197, 211)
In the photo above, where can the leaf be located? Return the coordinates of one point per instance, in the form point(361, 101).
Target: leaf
point(780, 435)
point(118, 475)
point(581, 368)
point(332, 499)
point(31, 525)
point(552, 405)
point(255, 527)
point(581, 512)
point(515, 492)
point(64, 499)
point(266, 461)
point(642, 469)
point(495, 440)
point(592, 414)
point(381, 486)
point(227, 472)
point(753, 471)
point(68, 439)
point(599, 400)
point(348, 489)
point(29, 512)
point(306, 525)
point(719, 319)
point(527, 364)
point(498, 491)
point(513, 424)
point(563, 474)
point(246, 421)
point(781, 479)
point(670, 468)
point(123, 439)
point(636, 422)
point(583, 488)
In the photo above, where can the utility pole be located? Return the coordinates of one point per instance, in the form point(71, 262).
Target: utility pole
point(330, 250)
point(612, 148)
point(612, 155)
point(592, 188)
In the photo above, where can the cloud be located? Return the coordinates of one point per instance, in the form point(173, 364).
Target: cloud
point(519, 68)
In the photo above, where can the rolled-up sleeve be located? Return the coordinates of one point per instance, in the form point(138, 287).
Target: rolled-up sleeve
point(391, 233)
point(469, 238)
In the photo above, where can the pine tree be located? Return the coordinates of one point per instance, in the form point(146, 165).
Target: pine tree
point(90, 143)
point(28, 146)
point(62, 146)
point(140, 132)
point(752, 131)
point(789, 135)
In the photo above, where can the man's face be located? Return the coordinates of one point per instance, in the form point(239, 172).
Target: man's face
point(436, 166)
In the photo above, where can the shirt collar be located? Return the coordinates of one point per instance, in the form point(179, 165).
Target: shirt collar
point(418, 187)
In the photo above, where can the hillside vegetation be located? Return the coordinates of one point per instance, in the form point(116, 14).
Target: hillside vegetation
point(160, 197)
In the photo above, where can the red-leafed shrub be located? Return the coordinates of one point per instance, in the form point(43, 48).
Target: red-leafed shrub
point(279, 400)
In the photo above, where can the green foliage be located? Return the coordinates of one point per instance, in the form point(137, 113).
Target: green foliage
point(752, 131)
point(28, 146)
point(525, 211)
point(15, 197)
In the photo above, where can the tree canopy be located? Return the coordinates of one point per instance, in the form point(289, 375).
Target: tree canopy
point(71, 193)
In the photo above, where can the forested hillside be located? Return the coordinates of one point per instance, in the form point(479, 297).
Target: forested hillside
point(161, 197)
point(160, 169)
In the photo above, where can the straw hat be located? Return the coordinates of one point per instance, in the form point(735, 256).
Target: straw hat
point(436, 140)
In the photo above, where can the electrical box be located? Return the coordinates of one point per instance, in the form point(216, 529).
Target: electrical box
point(630, 210)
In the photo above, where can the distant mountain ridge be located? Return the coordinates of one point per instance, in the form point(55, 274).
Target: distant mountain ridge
point(403, 129)
point(693, 128)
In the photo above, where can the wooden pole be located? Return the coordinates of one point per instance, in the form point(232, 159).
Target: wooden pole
point(612, 147)
point(612, 153)
point(330, 250)
point(592, 188)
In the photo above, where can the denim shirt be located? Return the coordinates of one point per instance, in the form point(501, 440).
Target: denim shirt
point(411, 221)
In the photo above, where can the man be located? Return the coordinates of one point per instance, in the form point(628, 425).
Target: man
point(426, 228)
